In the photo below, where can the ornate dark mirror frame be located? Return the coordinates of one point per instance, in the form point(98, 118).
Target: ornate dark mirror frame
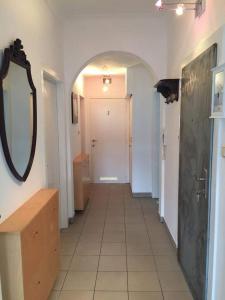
point(16, 55)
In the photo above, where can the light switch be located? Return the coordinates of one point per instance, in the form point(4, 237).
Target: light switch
point(223, 151)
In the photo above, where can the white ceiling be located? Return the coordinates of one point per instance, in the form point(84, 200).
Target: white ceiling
point(111, 63)
point(70, 8)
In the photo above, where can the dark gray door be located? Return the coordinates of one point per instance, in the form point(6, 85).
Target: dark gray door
point(195, 161)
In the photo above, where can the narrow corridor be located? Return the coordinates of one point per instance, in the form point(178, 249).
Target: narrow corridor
point(118, 250)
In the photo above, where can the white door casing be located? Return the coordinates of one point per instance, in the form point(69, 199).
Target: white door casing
point(61, 149)
point(51, 135)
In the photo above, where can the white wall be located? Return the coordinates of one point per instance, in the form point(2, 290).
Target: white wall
point(87, 37)
point(188, 37)
point(31, 21)
point(144, 131)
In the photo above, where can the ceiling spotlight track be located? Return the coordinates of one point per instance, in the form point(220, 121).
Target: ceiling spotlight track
point(180, 6)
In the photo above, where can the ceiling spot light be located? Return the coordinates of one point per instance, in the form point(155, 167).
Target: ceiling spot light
point(158, 4)
point(107, 80)
point(180, 9)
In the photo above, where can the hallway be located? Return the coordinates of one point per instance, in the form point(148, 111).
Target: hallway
point(118, 250)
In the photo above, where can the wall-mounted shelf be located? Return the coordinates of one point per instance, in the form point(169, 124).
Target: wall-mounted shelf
point(169, 88)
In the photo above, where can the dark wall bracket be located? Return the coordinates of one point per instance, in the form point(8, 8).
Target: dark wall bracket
point(169, 88)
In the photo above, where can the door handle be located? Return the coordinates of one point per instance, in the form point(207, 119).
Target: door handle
point(94, 141)
point(201, 179)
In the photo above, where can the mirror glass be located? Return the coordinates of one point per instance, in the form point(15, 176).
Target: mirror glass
point(18, 114)
point(219, 91)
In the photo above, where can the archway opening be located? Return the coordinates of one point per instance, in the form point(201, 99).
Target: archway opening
point(115, 123)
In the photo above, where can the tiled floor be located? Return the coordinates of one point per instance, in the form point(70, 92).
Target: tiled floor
point(118, 250)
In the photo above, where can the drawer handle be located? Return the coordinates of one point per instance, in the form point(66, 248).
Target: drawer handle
point(39, 282)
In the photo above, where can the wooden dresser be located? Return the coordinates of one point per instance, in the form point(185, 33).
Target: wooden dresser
point(29, 248)
point(81, 181)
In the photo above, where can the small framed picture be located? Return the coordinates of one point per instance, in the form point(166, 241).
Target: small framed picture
point(218, 93)
point(74, 107)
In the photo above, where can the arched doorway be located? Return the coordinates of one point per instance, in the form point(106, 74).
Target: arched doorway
point(134, 67)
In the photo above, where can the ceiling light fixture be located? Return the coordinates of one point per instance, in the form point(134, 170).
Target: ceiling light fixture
point(181, 6)
point(107, 80)
point(159, 3)
point(180, 9)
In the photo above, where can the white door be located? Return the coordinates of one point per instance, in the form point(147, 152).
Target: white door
point(51, 135)
point(109, 140)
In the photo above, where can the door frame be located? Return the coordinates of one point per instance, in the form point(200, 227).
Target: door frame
point(61, 112)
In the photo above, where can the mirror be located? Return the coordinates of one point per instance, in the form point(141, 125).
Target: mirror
point(17, 111)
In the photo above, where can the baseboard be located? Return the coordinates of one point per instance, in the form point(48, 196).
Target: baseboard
point(170, 236)
point(142, 195)
point(71, 220)
point(162, 220)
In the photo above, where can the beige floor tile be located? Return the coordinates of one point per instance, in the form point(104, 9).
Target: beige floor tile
point(114, 237)
point(90, 229)
point(114, 227)
point(80, 281)
point(163, 249)
point(137, 240)
point(143, 281)
point(59, 281)
point(68, 248)
point(54, 295)
point(177, 296)
point(76, 295)
point(111, 281)
point(65, 261)
point(111, 296)
point(112, 263)
point(84, 263)
point(139, 249)
point(75, 228)
point(167, 263)
point(86, 248)
point(69, 237)
point(145, 296)
point(116, 220)
point(113, 212)
point(113, 249)
point(134, 220)
point(172, 281)
point(91, 237)
point(140, 263)
point(159, 238)
point(136, 227)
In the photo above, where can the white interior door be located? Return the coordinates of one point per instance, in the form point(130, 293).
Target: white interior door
point(51, 135)
point(109, 140)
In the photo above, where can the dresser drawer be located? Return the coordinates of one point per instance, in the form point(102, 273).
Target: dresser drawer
point(33, 245)
point(54, 263)
point(37, 286)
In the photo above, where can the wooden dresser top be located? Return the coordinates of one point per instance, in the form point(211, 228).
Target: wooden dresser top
point(81, 157)
point(25, 214)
